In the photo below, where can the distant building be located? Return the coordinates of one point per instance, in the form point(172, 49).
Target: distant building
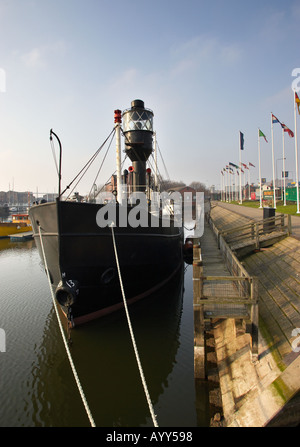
point(16, 198)
point(187, 192)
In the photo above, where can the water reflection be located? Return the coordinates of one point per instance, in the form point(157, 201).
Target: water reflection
point(103, 354)
point(37, 384)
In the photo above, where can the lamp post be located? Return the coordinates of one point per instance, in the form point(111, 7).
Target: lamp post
point(278, 159)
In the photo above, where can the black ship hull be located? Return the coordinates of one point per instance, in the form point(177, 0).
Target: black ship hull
point(82, 264)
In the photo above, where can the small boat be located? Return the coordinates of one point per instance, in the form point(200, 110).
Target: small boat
point(76, 238)
point(20, 224)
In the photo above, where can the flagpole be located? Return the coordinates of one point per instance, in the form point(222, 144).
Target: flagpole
point(296, 152)
point(249, 195)
point(221, 186)
point(227, 185)
point(223, 200)
point(274, 193)
point(234, 182)
point(259, 170)
point(283, 167)
point(241, 200)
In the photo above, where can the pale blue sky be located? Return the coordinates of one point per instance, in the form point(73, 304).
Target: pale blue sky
point(206, 69)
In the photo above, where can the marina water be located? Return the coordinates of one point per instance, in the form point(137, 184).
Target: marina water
point(37, 384)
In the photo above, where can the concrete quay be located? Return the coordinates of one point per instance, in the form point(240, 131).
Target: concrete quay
point(265, 392)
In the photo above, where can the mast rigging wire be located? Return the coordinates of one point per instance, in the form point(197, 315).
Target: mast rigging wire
point(64, 338)
point(101, 165)
point(87, 165)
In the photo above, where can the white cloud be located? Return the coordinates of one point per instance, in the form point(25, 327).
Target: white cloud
point(279, 99)
point(33, 58)
point(38, 57)
point(275, 27)
point(230, 53)
point(198, 45)
point(296, 10)
point(129, 76)
point(194, 52)
point(4, 4)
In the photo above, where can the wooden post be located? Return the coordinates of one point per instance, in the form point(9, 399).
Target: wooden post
point(254, 319)
point(253, 230)
point(256, 236)
point(199, 343)
point(289, 224)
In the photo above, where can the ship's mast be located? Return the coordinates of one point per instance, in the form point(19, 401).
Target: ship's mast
point(118, 121)
point(155, 161)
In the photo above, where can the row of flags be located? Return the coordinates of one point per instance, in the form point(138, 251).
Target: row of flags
point(274, 120)
point(285, 128)
point(238, 168)
point(229, 192)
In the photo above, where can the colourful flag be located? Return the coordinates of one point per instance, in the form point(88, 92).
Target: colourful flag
point(222, 172)
point(275, 120)
point(245, 166)
point(261, 134)
point(286, 129)
point(250, 164)
point(241, 141)
point(232, 164)
point(297, 100)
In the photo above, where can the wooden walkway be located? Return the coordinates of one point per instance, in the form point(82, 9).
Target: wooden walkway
point(222, 289)
point(266, 392)
point(215, 285)
point(277, 269)
point(245, 235)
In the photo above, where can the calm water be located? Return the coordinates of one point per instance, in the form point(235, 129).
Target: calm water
point(36, 382)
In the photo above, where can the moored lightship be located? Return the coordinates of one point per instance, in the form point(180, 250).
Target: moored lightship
point(79, 251)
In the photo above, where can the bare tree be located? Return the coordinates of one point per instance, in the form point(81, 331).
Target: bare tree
point(168, 184)
point(198, 186)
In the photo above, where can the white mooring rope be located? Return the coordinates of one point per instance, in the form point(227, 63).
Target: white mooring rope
point(65, 340)
point(131, 333)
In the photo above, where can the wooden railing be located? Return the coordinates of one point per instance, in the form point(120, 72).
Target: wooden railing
point(256, 231)
point(234, 296)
